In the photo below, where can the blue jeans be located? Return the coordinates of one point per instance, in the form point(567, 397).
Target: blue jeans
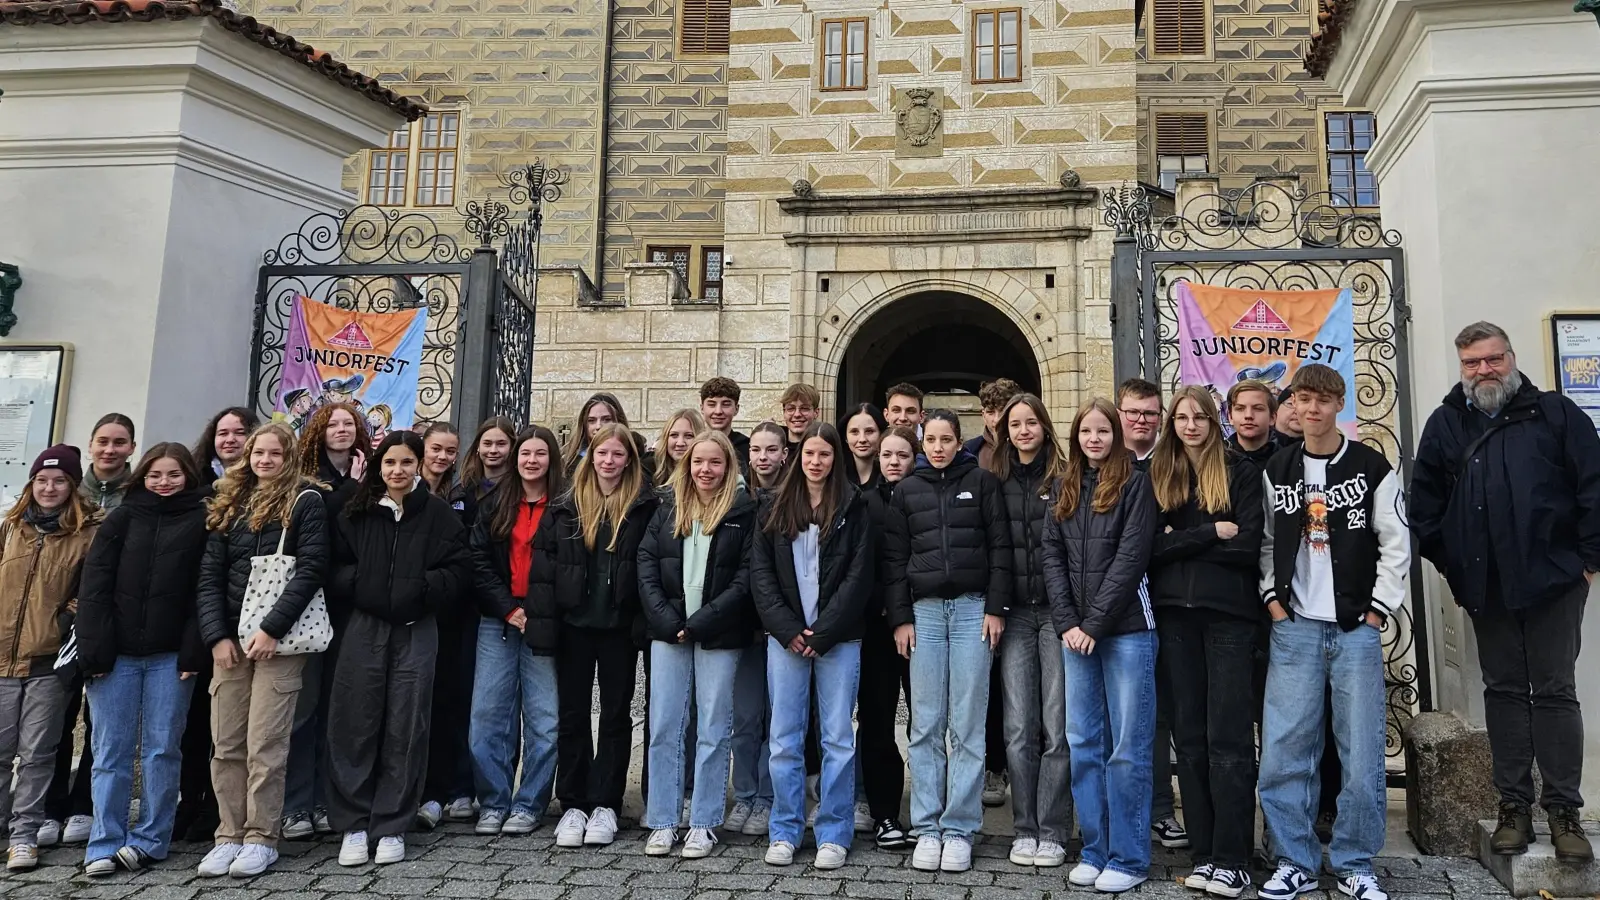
point(1111, 720)
point(837, 675)
point(1310, 658)
point(140, 709)
point(686, 675)
point(509, 683)
point(949, 699)
point(752, 777)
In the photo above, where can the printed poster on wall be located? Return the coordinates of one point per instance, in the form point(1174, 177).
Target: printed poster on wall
point(1576, 340)
point(1227, 335)
point(367, 359)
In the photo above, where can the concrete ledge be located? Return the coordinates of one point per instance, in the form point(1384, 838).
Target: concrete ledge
point(1448, 784)
point(1538, 870)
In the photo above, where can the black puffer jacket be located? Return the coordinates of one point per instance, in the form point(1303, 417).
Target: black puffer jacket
point(225, 569)
point(844, 579)
point(140, 579)
point(877, 494)
point(560, 575)
point(1191, 567)
point(945, 534)
point(491, 560)
point(1094, 563)
point(1028, 502)
point(726, 619)
point(400, 571)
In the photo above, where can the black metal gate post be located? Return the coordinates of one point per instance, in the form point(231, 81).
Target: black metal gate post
point(476, 385)
point(1127, 209)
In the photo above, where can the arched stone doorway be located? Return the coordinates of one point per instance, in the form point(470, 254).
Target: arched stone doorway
point(943, 341)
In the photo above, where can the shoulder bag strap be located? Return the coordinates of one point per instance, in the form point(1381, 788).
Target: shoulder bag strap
point(282, 535)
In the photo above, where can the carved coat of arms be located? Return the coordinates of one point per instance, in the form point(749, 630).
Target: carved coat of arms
point(919, 119)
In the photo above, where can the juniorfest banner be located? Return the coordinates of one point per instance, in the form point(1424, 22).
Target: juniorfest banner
point(367, 359)
point(1227, 335)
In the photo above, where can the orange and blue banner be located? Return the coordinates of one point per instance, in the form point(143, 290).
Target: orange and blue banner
point(1228, 335)
point(333, 355)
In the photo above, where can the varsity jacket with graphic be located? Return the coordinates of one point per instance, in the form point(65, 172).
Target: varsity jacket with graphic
point(1368, 543)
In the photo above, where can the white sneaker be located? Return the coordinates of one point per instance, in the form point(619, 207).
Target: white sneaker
point(740, 814)
point(569, 831)
point(1111, 882)
point(864, 823)
point(459, 810)
point(429, 814)
point(660, 842)
point(602, 828)
point(253, 860)
point(1050, 855)
point(956, 855)
point(76, 830)
point(1083, 875)
point(1023, 851)
point(756, 825)
point(22, 857)
point(216, 863)
point(391, 849)
point(1362, 887)
point(699, 843)
point(519, 822)
point(780, 853)
point(830, 856)
point(101, 867)
point(354, 850)
point(490, 821)
point(928, 853)
point(49, 833)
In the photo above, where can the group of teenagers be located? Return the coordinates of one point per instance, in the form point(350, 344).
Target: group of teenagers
point(785, 588)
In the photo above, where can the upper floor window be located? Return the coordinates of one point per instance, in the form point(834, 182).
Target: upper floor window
point(386, 176)
point(997, 45)
point(703, 26)
point(1183, 146)
point(418, 167)
point(1350, 136)
point(711, 273)
point(1180, 27)
point(844, 54)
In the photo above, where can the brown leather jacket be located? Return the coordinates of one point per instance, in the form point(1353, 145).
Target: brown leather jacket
point(38, 581)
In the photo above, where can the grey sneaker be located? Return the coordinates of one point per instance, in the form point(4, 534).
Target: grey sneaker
point(520, 822)
point(760, 818)
point(459, 810)
point(49, 833)
point(994, 788)
point(298, 826)
point(319, 820)
point(429, 814)
point(490, 821)
point(734, 823)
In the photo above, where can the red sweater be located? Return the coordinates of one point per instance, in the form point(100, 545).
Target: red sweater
point(528, 516)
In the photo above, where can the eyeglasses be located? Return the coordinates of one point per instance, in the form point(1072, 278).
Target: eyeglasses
point(1140, 415)
point(1189, 420)
point(1493, 362)
point(797, 408)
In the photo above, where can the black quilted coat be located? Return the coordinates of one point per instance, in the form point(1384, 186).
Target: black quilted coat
point(726, 619)
point(402, 571)
point(225, 570)
point(945, 534)
point(1094, 563)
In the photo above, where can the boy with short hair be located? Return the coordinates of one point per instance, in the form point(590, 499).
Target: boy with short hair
point(1334, 560)
point(994, 395)
point(719, 404)
point(1252, 406)
point(1139, 404)
point(800, 403)
point(902, 405)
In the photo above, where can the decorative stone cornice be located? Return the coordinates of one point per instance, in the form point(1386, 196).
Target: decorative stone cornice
point(1008, 214)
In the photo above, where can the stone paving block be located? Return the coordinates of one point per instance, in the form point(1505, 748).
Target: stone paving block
point(404, 887)
point(733, 881)
point(284, 881)
point(971, 878)
point(477, 871)
point(806, 886)
point(327, 883)
point(875, 890)
point(168, 892)
point(597, 893)
point(939, 892)
point(466, 889)
point(599, 877)
point(468, 854)
point(718, 863)
point(525, 891)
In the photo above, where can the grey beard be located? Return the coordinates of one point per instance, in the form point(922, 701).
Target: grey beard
point(1491, 396)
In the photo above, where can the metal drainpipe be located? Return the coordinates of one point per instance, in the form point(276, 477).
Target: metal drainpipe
point(605, 145)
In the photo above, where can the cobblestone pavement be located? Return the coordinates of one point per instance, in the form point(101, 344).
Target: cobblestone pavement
point(453, 862)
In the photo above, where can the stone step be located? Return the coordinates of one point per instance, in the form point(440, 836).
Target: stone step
point(1538, 870)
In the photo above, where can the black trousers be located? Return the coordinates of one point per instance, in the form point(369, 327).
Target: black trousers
point(592, 769)
point(1530, 697)
point(1205, 662)
point(884, 675)
point(196, 799)
point(379, 710)
point(449, 756)
point(994, 735)
point(69, 796)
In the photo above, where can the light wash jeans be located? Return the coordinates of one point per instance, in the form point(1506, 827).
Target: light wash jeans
point(752, 777)
point(510, 683)
point(685, 675)
point(949, 700)
point(139, 709)
point(836, 675)
point(1309, 658)
point(1111, 715)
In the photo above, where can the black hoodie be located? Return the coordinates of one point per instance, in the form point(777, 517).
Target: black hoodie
point(946, 534)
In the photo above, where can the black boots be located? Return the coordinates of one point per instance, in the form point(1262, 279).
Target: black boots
point(1514, 831)
point(1566, 833)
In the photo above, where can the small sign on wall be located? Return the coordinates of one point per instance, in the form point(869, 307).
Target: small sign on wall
point(1575, 352)
point(33, 408)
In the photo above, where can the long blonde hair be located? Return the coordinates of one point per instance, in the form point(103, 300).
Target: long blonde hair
point(76, 512)
point(594, 507)
point(1115, 472)
point(1171, 471)
point(240, 491)
point(666, 466)
point(690, 508)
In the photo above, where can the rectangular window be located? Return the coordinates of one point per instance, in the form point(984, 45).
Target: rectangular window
point(1183, 147)
point(436, 162)
point(1180, 27)
point(1350, 136)
point(711, 273)
point(678, 256)
point(703, 26)
point(844, 54)
point(386, 175)
point(997, 45)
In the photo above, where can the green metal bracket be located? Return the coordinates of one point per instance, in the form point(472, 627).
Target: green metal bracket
point(10, 281)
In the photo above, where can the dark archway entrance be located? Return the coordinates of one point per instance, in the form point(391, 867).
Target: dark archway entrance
point(944, 342)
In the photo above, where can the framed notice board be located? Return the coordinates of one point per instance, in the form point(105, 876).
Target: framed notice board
point(1575, 358)
point(33, 408)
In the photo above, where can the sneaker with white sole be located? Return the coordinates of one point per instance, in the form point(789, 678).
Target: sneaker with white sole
point(1050, 855)
point(320, 821)
point(49, 833)
point(569, 831)
point(297, 827)
point(863, 823)
point(1170, 833)
point(830, 856)
point(1229, 883)
point(133, 859)
point(660, 842)
point(602, 828)
point(253, 860)
point(780, 853)
point(429, 814)
point(1362, 887)
point(927, 854)
point(490, 821)
point(760, 819)
point(76, 829)
point(1111, 882)
point(1083, 875)
point(459, 810)
point(520, 822)
point(391, 849)
point(890, 836)
point(22, 857)
point(955, 855)
point(1200, 878)
point(101, 867)
point(699, 843)
point(354, 850)
point(1287, 883)
point(994, 788)
point(740, 814)
point(217, 862)
point(1023, 850)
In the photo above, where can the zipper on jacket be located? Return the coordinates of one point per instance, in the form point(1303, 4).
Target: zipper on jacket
point(27, 585)
point(944, 526)
point(149, 575)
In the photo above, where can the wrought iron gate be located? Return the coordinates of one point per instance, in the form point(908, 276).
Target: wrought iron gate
point(1272, 236)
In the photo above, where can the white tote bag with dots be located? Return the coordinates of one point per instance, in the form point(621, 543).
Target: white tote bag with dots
point(269, 575)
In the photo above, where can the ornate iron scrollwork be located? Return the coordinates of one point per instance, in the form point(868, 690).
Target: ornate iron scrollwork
point(534, 184)
point(1126, 209)
point(366, 234)
point(1269, 215)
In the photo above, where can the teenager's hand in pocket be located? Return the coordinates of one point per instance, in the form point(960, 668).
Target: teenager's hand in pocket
point(226, 654)
point(1276, 611)
point(993, 627)
point(905, 639)
point(1227, 530)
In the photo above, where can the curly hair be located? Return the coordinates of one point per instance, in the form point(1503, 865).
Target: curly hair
point(314, 437)
point(241, 492)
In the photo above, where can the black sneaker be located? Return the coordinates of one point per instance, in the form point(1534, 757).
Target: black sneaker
point(1227, 882)
point(890, 836)
point(1170, 833)
point(133, 859)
